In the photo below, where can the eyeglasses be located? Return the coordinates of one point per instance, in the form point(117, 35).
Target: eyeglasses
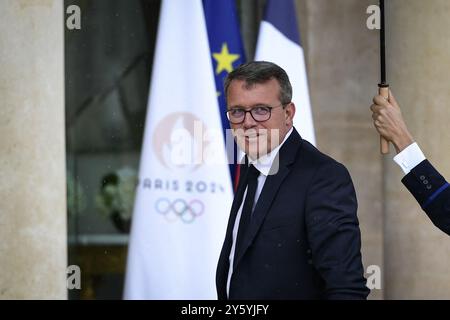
point(259, 113)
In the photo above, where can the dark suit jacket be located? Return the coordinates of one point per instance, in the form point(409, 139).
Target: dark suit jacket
point(432, 192)
point(304, 239)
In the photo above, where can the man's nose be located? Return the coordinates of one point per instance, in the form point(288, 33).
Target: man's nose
point(249, 122)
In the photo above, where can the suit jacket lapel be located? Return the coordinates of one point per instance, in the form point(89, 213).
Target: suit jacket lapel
point(273, 182)
point(237, 201)
point(223, 264)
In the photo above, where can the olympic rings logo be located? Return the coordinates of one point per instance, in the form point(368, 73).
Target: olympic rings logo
point(179, 209)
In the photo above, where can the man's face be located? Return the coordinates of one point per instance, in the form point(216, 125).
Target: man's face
point(259, 138)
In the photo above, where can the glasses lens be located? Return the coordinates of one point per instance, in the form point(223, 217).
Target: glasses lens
point(236, 115)
point(261, 113)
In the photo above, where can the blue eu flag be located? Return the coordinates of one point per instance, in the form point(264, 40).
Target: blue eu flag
point(227, 51)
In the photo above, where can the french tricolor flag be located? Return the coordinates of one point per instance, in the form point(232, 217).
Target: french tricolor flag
point(279, 42)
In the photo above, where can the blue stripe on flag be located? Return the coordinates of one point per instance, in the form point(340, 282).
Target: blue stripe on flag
point(282, 15)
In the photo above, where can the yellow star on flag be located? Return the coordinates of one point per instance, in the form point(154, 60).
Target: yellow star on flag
point(225, 59)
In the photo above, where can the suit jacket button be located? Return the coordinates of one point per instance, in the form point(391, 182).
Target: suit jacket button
point(429, 186)
point(425, 181)
point(422, 178)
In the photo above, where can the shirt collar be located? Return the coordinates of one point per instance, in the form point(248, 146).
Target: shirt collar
point(264, 163)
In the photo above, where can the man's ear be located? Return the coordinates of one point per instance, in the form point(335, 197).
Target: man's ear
point(290, 113)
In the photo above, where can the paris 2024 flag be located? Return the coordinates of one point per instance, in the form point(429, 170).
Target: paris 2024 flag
point(184, 192)
point(279, 42)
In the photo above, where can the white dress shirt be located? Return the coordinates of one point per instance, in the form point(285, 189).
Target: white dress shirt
point(410, 157)
point(264, 165)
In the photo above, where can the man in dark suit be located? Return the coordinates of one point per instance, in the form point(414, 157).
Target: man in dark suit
point(425, 183)
point(293, 231)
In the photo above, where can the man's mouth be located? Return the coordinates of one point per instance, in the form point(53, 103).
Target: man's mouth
point(253, 138)
point(253, 135)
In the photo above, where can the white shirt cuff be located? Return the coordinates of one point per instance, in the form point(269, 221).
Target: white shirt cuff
point(410, 157)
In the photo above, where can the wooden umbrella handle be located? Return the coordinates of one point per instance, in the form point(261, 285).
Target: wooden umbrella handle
point(383, 90)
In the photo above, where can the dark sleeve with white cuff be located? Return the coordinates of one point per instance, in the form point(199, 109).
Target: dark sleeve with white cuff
point(432, 192)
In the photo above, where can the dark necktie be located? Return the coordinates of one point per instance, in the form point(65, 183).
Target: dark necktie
point(244, 222)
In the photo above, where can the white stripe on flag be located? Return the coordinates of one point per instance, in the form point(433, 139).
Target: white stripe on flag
point(181, 210)
point(273, 46)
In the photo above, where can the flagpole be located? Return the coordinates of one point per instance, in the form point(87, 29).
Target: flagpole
point(383, 86)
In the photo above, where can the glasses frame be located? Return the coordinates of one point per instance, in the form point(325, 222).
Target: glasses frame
point(245, 110)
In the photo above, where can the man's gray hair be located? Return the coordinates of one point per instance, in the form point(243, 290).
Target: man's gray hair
point(257, 72)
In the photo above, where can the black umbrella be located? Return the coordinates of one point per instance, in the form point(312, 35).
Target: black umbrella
point(383, 86)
